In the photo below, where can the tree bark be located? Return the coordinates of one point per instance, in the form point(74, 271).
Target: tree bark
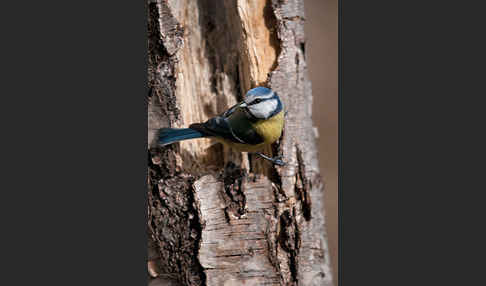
point(215, 216)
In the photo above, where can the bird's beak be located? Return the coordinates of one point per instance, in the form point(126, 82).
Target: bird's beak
point(243, 104)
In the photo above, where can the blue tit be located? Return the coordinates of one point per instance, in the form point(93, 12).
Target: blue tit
point(248, 126)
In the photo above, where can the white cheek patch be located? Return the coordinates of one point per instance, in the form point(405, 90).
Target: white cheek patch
point(263, 109)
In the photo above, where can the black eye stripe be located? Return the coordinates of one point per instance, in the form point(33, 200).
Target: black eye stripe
point(260, 99)
point(257, 100)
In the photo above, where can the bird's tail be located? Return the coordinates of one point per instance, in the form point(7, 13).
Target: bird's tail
point(171, 135)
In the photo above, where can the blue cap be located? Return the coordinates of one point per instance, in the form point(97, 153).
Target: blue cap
point(259, 91)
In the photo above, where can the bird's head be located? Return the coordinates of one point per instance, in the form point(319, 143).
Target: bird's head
point(262, 103)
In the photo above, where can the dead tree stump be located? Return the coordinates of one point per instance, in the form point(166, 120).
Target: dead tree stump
point(215, 216)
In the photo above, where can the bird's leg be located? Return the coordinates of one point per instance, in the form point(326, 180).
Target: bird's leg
point(276, 160)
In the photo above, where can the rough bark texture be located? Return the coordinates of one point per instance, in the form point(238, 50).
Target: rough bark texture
point(217, 217)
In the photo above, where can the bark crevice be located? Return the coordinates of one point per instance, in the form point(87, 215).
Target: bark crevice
point(303, 186)
point(233, 195)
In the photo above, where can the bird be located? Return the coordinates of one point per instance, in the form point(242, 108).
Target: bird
point(247, 126)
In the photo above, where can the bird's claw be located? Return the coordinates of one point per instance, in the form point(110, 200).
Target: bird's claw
point(276, 160)
point(279, 162)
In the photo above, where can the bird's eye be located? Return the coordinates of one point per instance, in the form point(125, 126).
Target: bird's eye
point(258, 100)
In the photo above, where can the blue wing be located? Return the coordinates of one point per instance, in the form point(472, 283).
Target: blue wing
point(233, 125)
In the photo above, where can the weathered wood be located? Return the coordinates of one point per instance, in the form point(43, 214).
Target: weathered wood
point(217, 217)
point(234, 248)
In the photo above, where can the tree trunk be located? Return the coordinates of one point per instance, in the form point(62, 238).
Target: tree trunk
point(215, 216)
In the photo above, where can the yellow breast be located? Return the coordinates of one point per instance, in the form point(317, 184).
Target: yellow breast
point(269, 129)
